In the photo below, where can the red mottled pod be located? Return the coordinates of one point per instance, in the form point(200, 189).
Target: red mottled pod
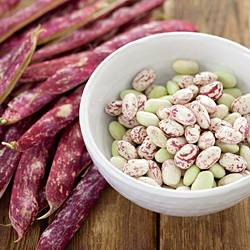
point(41, 198)
point(84, 36)
point(233, 163)
point(80, 72)
point(8, 158)
point(52, 122)
point(208, 157)
point(186, 156)
point(15, 62)
point(24, 16)
point(19, 107)
point(7, 5)
point(65, 167)
point(24, 195)
point(73, 212)
point(213, 90)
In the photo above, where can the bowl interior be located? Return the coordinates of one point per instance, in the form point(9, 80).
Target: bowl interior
point(157, 52)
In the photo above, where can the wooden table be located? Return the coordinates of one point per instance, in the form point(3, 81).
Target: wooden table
point(115, 222)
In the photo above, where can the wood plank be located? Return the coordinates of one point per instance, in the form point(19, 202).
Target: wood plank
point(116, 223)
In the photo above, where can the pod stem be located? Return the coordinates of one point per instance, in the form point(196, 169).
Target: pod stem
point(3, 121)
point(12, 145)
point(7, 225)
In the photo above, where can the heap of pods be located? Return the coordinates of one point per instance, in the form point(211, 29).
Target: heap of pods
point(192, 134)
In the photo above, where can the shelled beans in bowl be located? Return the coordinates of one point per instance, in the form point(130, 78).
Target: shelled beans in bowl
point(192, 134)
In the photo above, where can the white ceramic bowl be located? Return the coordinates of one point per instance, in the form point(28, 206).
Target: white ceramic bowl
point(115, 74)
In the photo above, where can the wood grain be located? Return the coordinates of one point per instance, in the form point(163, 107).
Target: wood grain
point(115, 222)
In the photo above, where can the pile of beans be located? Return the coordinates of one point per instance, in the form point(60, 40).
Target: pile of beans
point(192, 134)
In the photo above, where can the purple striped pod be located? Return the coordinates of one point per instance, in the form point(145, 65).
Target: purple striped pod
point(65, 167)
point(24, 196)
point(52, 122)
point(73, 212)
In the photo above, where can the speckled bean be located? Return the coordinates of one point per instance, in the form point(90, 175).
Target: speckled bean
point(208, 157)
point(116, 130)
point(192, 133)
point(213, 90)
point(174, 144)
point(190, 175)
point(242, 105)
point(216, 123)
point(194, 89)
point(185, 80)
point(126, 150)
point(218, 171)
point(141, 99)
point(186, 67)
point(147, 149)
point(242, 125)
point(228, 80)
point(186, 156)
point(171, 128)
point(227, 100)
point(129, 106)
point(127, 137)
point(118, 162)
point(164, 113)
point(172, 87)
point(231, 118)
point(128, 91)
point(204, 180)
point(201, 114)
point(149, 181)
point(207, 102)
point(149, 89)
point(114, 149)
point(171, 174)
point(233, 163)
point(157, 136)
point(163, 155)
point(221, 111)
point(230, 178)
point(157, 92)
point(138, 134)
point(147, 119)
point(245, 153)
point(235, 92)
point(182, 114)
point(128, 123)
point(228, 135)
point(154, 172)
point(206, 140)
point(136, 167)
point(204, 78)
point(114, 108)
point(227, 147)
point(143, 79)
point(152, 105)
point(182, 96)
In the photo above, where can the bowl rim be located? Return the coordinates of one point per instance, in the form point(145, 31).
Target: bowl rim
point(102, 160)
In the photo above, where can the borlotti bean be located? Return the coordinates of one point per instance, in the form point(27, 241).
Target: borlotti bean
point(185, 80)
point(192, 133)
point(143, 79)
point(193, 128)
